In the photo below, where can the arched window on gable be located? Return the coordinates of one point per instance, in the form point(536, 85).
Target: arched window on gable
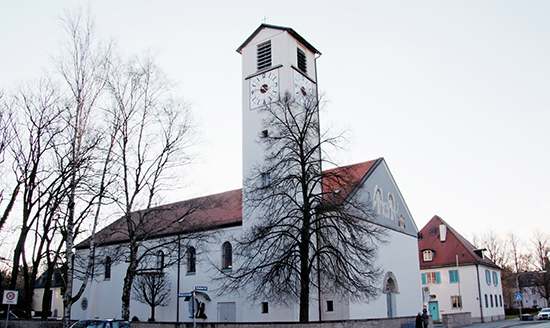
point(160, 260)
point(191, 260)
point(227, 256)
point(108, 263)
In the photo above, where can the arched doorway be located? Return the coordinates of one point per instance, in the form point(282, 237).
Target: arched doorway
point(390, 288)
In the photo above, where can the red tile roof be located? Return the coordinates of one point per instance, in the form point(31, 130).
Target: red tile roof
point(209, 212)
point(445, 253)
point(340, 182)
point(218, 210)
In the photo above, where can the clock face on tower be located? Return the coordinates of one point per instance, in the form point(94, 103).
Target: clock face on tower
point(264, 89)
point(304, 89)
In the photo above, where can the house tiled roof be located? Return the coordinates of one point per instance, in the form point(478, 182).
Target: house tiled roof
point(218, 210)
point(445, 252)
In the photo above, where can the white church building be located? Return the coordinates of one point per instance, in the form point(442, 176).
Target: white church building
point(279, 58)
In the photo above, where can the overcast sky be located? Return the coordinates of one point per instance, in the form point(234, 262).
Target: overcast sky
point(455, 95)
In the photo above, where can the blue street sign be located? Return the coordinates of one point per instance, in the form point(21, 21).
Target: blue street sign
point(185, 294)
point(201, 288)
point(518, 297)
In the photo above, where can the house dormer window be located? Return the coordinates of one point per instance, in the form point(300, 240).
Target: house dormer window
point(264, 55)
point(428, 255)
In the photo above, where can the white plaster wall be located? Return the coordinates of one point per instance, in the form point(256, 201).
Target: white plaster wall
point(57, 301)
point(283, 47)
point(400, 256)
point(469, 291)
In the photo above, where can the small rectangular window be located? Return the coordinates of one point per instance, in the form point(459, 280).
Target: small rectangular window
point(265, 307)
point(302, 63)
point(495, 278)
point(491, 297)
point(500, 300)
point(264, 55)
point(486, 301)
point(330, 306)
point(265, 134)
point(488, 277)
point(456, 302)
point(433, 231)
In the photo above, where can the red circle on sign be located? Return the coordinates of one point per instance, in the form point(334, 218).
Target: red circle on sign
point(10, 296)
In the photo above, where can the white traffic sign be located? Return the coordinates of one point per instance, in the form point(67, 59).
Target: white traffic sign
point(10, 297)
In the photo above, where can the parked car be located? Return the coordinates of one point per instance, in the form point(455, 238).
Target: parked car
point(544, 314)
point(101, 323)
point(12, 315)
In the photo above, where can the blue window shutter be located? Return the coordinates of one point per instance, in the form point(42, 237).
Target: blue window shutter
point(438, 277)
point(453, 276)
point(424, 280)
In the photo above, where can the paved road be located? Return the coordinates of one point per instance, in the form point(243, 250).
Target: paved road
point(509, 323)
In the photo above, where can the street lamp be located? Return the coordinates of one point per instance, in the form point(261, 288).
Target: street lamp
point(517, 286)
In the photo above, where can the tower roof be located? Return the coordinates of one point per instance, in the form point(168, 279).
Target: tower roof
point(282, 28)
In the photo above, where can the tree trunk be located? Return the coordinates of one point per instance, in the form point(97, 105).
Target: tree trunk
point(152, 313)
point(304, 272)
point(46, 299)
point(128, 281)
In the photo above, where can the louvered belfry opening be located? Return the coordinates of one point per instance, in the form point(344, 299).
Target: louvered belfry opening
point(302, 63)
point(264, 55)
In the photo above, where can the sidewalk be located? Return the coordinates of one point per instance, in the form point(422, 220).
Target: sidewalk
point(499, 324)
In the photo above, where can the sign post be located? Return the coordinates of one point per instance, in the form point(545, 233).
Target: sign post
point(10, 297)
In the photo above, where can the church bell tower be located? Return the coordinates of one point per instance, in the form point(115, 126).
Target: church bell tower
point(275, 61)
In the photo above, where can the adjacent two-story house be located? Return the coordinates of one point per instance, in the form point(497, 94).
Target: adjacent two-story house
point(456, 277)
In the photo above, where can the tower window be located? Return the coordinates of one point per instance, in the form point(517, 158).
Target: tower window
point(302, 63)
point(265, 134)
point(266, 180)
point(265, 307)
point(264, 55)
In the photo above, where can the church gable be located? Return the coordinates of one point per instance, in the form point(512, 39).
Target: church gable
point(389, 207)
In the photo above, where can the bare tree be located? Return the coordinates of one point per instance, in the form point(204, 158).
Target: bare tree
point(497, 247)
point(36, 133)
point(84, 66)
point(6, 136)
point(313, 232)
point(153, 289)
point(153, 132)
point(541, 243)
